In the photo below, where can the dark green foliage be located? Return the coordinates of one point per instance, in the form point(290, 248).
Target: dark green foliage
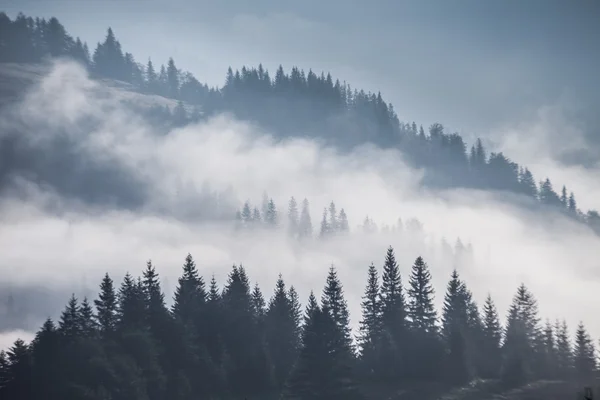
point(421, 312)
point(281, 333)
point(106, 306)
point(584, 354)
point(324, 367)
point(492, 336)
point(231, 345)
point(333, 301)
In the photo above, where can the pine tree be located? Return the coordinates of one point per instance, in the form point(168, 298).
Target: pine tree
point(87, 322)
point(421, 311)
point(246, 214)
point(271, 217)
point(324, 366)
point(296, 308)
point(333, 219)
point(564, 353)
point(584, 354)
point(69, 324)
point(393, 303)
point(131, 305)
point(305, 225)
point(521, 339)
point(17, 374)
point(311, 307)
point(281, 333)
point(106, 306)
point(333, 301)
point(572, 205)
point(492, 336)
point(563, 197)
point(371, 323)
point(258, 303)
point(190, 294)
point(293, 218)
point(325, 229)
point(454, 312)
point(343, 222)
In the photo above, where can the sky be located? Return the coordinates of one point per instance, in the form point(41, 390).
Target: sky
point(74, 246)
point(478, 67)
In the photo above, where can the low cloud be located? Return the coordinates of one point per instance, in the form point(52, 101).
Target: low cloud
point(65, 243)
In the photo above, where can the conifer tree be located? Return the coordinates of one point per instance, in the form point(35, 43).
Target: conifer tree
point(393, 303)
point(343, 222)
point(305, 225)
point(454, 312)
point(271, 217)
point(325, 229)
point(564, 352)
point(256, 217)
point(334, 302)
point(17, 373)
point(87, 322)
point(293, 217)
point(584, 354)
point(333, 219)
point(421, 311)
point(281, 333)
point(69, 324)
point(521, 338)
point(190, 294)
point(492, 336)
point(296, 309)
point(131, 305)
point(371, 323)
point(258, 303)
point(324, 369)
point(106, 307)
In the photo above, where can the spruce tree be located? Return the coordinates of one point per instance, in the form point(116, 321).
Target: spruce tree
point(324, 367)
point(17, 373)
point(131, 305)
point(69, 324)
point(87, 322)
point(190, 294)
point(258, 303)
point(371, 323)
point(393, 318)
point(281, 333)
point(343, 222)
point(271, 216)
point(305, 224)
point(333, 219)
point(334, 302)
point(421, 311)
point(325, 229)
point(106, 307)
point(293, 217)
point(492, 336)
point(564, 352)
point(296, 309)
point(584, 354)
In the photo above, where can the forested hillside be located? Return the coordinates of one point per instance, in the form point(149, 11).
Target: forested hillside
point(234, 342)
point(298, 103)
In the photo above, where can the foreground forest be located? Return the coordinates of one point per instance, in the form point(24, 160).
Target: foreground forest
point(236, 343)
point(297, 103)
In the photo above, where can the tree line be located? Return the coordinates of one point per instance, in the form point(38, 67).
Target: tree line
point(232, 342)
point(294, 103)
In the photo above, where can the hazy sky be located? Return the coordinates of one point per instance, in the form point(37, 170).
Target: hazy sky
point(476, 66)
